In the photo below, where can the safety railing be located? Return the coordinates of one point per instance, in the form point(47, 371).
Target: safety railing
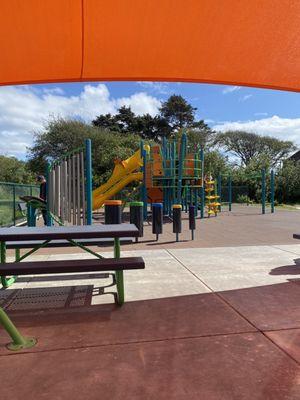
point(12, 208)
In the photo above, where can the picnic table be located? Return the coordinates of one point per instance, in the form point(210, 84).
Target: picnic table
point(20, 237)
point(28, 236)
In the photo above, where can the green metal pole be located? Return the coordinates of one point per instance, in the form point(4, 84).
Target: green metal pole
point(202, 189)
point(6, 282)
point(119, 274)
point(229, 192)
point(19, 342)
point(17, 255)
point(263, 191)
point(3, 261)
point(272, 183)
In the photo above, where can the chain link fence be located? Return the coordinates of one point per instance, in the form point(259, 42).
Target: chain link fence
point(12, 208)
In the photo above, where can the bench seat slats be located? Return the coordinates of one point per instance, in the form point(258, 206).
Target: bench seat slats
point(29, 244)
point(67, 266)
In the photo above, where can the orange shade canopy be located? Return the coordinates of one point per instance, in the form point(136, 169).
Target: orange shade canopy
point(240, 42)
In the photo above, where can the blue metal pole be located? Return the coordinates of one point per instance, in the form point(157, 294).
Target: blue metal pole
point(272, 184)
point(180, 166)
point(89, 179)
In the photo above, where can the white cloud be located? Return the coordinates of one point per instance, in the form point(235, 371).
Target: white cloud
point(282, 128)
point(157, 87)
point(230, 89)
point(24, 109)
point(246, 97)
point(261, 114)
point(55, 90)
point(140, 103)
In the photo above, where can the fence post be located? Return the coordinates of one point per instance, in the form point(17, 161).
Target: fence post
point(272, 184)
point(229, 192)
point(263, 191)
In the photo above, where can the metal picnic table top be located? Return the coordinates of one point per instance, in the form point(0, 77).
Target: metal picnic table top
point(68, 232)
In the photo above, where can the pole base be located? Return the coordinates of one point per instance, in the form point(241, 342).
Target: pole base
point(28, 343)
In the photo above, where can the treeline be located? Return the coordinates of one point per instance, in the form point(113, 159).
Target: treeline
point(242, 154)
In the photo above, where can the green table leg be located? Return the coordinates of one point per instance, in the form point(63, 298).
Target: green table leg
point(19, 342)
point(17, 255)
point(6, 282)
point(119, 274)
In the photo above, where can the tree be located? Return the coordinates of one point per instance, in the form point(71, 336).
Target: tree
point(248, 146)
point(125, 121)
point(200, 135)
point(287, 183)
point(177, 112)
point(14, 170)
point(60, 136)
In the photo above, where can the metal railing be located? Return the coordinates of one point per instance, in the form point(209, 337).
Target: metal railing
point(12, 208)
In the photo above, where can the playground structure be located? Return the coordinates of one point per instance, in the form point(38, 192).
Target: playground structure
point(168, 173)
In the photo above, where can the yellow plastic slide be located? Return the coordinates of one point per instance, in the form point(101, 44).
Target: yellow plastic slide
point(124, 173)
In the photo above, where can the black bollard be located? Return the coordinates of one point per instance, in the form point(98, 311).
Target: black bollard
point(113, 212)
point(177, 226)
point(136, 216)
point(157, 219)
point(192, 220)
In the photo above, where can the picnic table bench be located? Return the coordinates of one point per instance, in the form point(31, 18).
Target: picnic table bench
point(76, 235)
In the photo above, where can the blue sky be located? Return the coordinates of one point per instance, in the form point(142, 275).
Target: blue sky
point(24, 109)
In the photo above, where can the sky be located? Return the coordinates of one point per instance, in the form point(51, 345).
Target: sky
point(25, 109)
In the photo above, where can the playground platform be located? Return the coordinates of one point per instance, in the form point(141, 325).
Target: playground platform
point(213, 319)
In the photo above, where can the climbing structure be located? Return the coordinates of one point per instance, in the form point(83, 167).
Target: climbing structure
point(212, 198)
point(174, 175)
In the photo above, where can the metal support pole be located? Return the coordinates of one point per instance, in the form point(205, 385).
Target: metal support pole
point(144, 187)
point(49, 194)
point(3, 261)
point(272, 184)
point(78, 179)
point(263, 191)
point(89, 177)
point(180, 166)
point(202, 189)
point(19, 342)
point(119, 274)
